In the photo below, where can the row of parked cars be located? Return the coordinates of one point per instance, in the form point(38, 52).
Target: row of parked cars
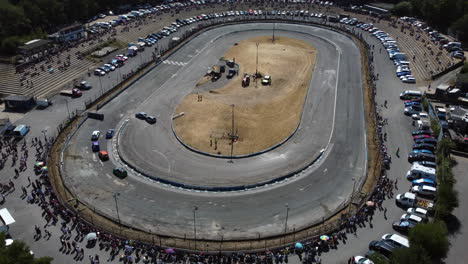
point(399, 58)
point(454, 48)
point(418, 202)
point(117, 61)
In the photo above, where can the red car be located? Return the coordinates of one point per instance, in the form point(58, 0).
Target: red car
point(421, 137)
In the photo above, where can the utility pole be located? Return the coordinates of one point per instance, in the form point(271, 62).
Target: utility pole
point(195, 208)
point(100, 84)
point(232, 136)
point(274, 26)
point(287, 215)
point(256, 64)
point(116, 207)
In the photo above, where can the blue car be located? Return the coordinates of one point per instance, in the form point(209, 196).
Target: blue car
point(412, 103)
point(424, 181)
point(109, 133)
point(425, 151)
point(403, 73)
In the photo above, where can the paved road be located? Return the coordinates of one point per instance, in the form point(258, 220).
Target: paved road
point(311, 196)
point(399, 126)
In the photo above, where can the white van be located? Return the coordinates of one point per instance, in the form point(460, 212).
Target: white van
point(410, 94)
point(418, 171)
point(399, 241)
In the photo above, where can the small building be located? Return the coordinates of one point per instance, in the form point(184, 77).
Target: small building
point(458, 120)
point(19, 103)
point(69, 33)
point(36, 47)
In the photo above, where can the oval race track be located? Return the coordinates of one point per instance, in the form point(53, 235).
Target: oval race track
point(336, 126)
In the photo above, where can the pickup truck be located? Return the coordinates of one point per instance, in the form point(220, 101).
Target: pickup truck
point(75, 92)
point(411, 200)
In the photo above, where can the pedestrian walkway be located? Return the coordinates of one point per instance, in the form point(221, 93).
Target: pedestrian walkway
point(175, 63)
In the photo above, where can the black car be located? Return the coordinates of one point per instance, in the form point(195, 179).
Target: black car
point(151, 119)
point(403, 226)
point(141, 115)
point(424, 146)
point(429, 164)
point(382, 247)
point(432, 141)
point(421, 132)
point(412, 157)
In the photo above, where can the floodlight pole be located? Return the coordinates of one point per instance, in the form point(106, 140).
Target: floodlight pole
point(287, 215)
point(195, 208)
point(274, 26)
point(256, 64)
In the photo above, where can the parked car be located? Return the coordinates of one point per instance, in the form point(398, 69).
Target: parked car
point(403, 226)
point(412, 157)
point(427, 164)
point(424, 190)
point(423, 213)
point(424, 181)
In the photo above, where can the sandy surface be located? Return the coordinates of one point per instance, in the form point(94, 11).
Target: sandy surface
point(263, 115)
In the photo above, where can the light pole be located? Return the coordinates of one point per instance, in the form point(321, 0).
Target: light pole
point(256, 64)
point(287, 215)
point(116, 207)
point(274, 26)
point(354, 186)
point(68, 109)
point(100, 84)
point(195, 208)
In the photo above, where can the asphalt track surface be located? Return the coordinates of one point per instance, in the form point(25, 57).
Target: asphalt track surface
point(311, 196)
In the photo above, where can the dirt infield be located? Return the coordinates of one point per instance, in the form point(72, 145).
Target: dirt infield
point(263, 115)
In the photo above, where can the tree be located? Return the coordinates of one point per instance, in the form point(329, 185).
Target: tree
point(432, 237)
point(378, 258)
point(415, 254)
point(402, 9)
point(18, 253)
point(460, 26)
point(447, 200)
point(444, 146)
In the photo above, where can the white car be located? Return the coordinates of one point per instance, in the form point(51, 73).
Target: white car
point(408, 79)
point(419, 116)
point(412, 218)
point(111, 67)
point(362, 260)
point(418, 211)
point(99, 72)
point(425, 190)
point(95, 135)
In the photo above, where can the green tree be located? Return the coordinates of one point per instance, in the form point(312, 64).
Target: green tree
point(18, 253)
point(444, 171)
point(378, 258)
point(432, 237)
point(444, 146)
point(460, 26)
point(415, 254)
point(447, 200)
point(402, 9)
